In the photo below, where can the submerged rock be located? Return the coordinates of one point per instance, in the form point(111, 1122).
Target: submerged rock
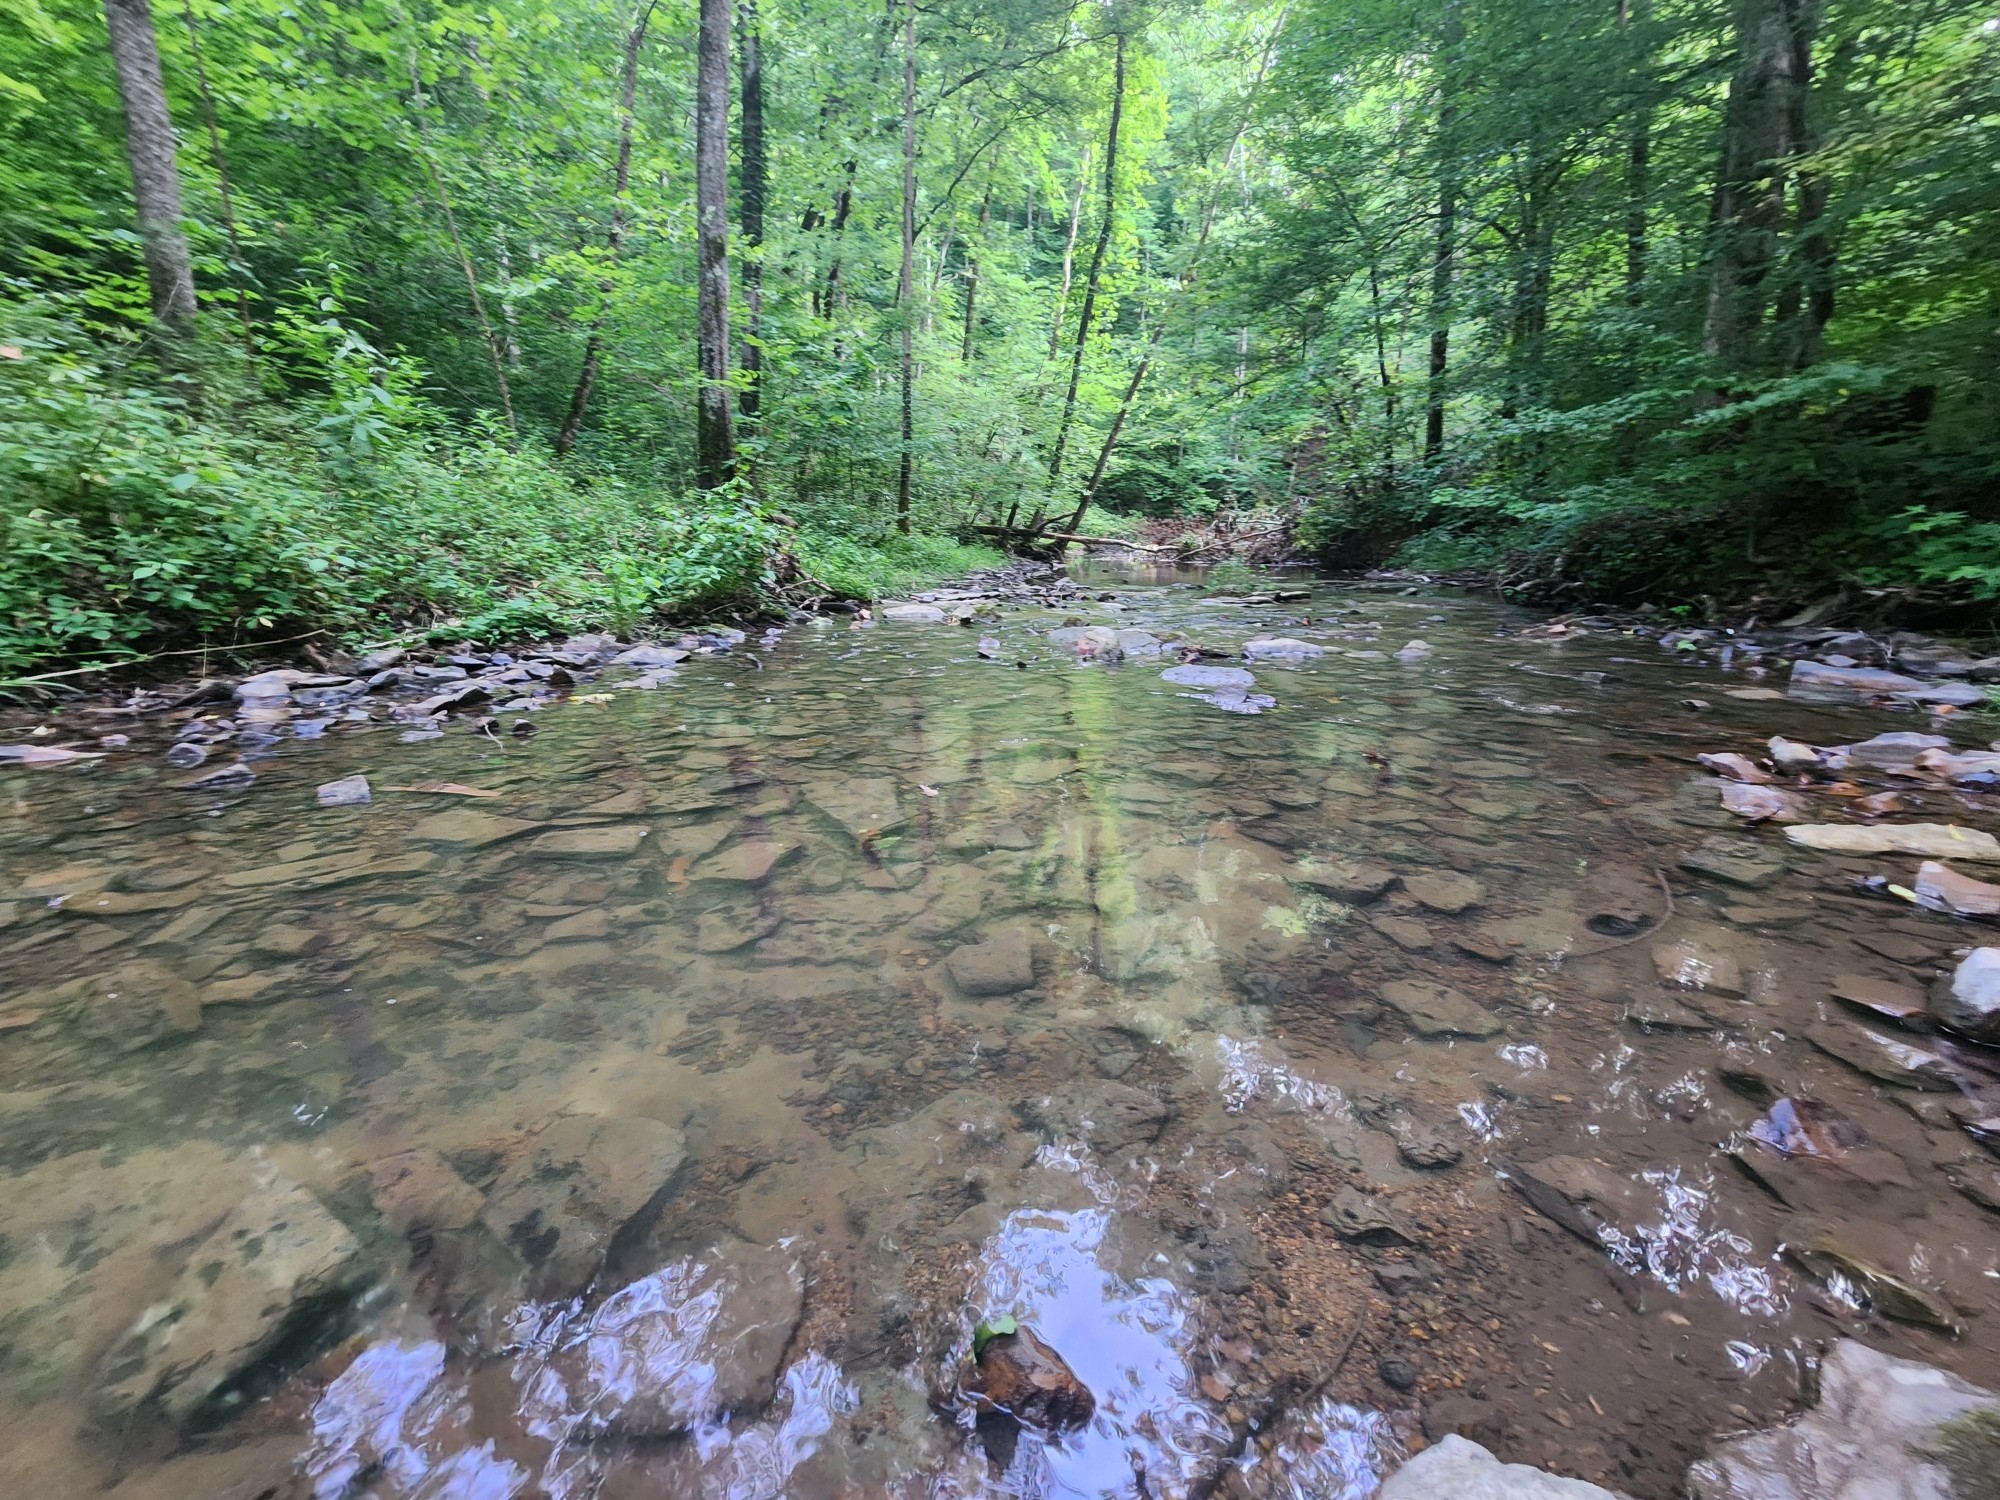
point(1357, 883)
point(1438, 1010)
point(1941, 888)
point(1354, 1215)
point(264, 1286)
point(1885, 1058)
point(581, 1183)
point(1281, 648)
point(1446, 892)
point(1459, 1469)
point(1822, 1256)
point(349, 791)
point(1817, 682)
point(914, 614)
point(1692, 965)
point(1000, 966)
point(1019, 1376)
point(1208, 677)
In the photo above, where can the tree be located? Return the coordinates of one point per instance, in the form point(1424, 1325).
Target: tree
point(756, 174)
point(715, 437)
point(150, 149)
point(906, 286)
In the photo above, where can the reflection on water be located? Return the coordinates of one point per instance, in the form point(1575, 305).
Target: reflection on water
point(663, 1122)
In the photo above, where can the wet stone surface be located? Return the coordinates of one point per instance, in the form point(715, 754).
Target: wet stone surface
point(1330, 1049)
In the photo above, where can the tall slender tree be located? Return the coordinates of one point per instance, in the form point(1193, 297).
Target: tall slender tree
point(1090, 280)
point(150, 149)
point(755, 185)
point(907, 286)
point(715, 431)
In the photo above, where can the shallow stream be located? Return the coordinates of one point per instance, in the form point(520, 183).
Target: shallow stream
point(662, 1125)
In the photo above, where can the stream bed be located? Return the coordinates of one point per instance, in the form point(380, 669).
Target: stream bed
point(1396, 1043)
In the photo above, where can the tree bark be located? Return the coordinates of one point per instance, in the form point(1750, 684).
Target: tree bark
point(907, 287)
point(1748, 210)
point(715, 436)
point(972, 271)
point(237, 266)
point(1451, 35)
point(150, 149)
point(1638, 162)
point(755, 173)
point(1069, 255)
point(1096, 261)
point(614, 238)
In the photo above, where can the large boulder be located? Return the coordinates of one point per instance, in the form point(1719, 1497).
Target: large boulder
point(582, 1182)
point(254, 1296)
point(1459, 1469)
point(1884, 1429)
point(1001, 965)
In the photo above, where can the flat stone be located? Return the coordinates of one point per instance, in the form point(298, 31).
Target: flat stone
point(1817, 682)
point(1884, 1057)
point(467, 829)
point(650, 656)
point(1902, 1004)
point(287, 940)
point(278, 1270)
point(616, 841)
point(1355, 1215)
point(1406, 933)
point(1001, 965)
point(1894, 752)
point(128, 903)
point(1459, 1469)
point(1693, 965)
point(1929, 840)
point(1446, 892)
point(1483, 946)
point(1438, 1010)
point(332, 870)
point(726, 931)
point(349, 791)
point(863, 805)
point(1112, 1117)
point(914, 614)
point(1733, 862)
point(578, 1185)
point(1197, 676)
point(1968, 1001)
point(1281, 648)
point(134, 1005)
point(691, 1344)
point(746, 861)
point(1898, 947)
point(1661, 1012)
point(1877, 1433)
point(584, 927)
point(1356, 883)
point(1941, 888)
point(418, 1190)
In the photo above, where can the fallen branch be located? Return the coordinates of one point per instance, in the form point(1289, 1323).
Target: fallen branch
point(1066, 536)
point(134, 661)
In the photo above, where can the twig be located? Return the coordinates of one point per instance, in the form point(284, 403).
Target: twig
point(1210, 1479)
point(134, 661)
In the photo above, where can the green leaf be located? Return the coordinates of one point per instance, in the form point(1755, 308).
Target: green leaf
point(991, 1329)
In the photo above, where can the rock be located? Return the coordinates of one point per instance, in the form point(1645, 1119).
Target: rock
point(1445, 892)
point(1484, 946)
point(914, 614)
point(468, 830)
point(1976, 765)
point(1208, 677)
point(1281, 648)
point(694, 1342)
point(1112, 1117)
point(134, 1005)
point(1894, 752)
point(1821, 1255)
point(1406, 933)
point(1816, 682)
point(1885, 1058)
point(745, 862)
point(1019, 1375)
point(1000, 966)
point(1693, 965)
point(1929, 840)
point(725, 931)
point(1877, 1433)
point(263, 689)
point(1901, 1004)
point(1356, 883)
point(1354, 1215)
point(1140, 643)
point(381, 659)
point(863, 805)
point(349, 791)
point(267, 1283)
point(1898, 947)
point(1764, 804)
point(1437, 1010)
point(615, 841)
point(231, 777)
point(576, 1188)
point(1458, 1469)
point(1733, 862)
point(650, 657)
point(1414, 651)
point(1582, 1196)
point(1968, 1002)
point(418, 1190)
point(463, 696)
point(286, 940)
point(1792, 755)
point(1477, 1420)
point(1422, 1145)
point(1942, 888)
point(1665, 1013)
point(1736, 768)
point(1397, 1373)
point(1092, 642)
point(584, 927)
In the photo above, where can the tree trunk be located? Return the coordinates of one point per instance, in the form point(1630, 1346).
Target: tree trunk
point(237, 266)
point(1747, 213)
point(755, 170)
point(149, 148)
point(1451, 35)
point(1638, 162)
point(1096, 261)
point(715, 437)
point(614, 238)
point(1810, 291)
point(1069, 255)
point(907, 287)
point(972, 271)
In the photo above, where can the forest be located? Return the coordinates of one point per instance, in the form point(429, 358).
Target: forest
point(493, 320)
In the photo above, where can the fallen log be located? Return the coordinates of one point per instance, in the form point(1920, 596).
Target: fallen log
point(1019, 534)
